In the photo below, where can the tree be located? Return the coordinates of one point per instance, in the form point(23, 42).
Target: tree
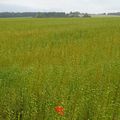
point(86, 15)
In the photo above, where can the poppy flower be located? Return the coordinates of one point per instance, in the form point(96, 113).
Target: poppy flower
point(59, 110)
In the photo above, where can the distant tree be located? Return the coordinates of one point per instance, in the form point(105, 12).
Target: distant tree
point(116, 13)
point(74, 14)
point(86, 15)
point(50, 14)
point(17, 14)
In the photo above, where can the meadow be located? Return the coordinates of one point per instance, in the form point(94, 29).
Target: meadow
point(68, 62)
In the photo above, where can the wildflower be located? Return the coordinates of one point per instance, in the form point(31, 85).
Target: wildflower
point(59, 110)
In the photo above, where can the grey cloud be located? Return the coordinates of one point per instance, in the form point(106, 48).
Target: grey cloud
point(90, 6)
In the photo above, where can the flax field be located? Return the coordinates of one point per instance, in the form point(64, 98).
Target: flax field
point(68, 62)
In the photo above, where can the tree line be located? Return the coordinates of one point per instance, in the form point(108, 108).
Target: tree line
point(42, 14)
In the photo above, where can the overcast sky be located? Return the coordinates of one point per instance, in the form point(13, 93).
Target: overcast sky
point(90, 6)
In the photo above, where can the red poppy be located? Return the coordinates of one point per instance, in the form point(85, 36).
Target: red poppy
point(59, 110)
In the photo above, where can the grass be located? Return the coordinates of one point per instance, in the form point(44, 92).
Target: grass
point(69, 62)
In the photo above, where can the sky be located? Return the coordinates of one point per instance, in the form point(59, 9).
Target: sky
point(89, 6)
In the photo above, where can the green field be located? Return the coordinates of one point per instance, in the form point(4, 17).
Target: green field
point(69, 62)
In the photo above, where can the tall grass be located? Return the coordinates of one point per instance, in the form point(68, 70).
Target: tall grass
point(74, 63)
